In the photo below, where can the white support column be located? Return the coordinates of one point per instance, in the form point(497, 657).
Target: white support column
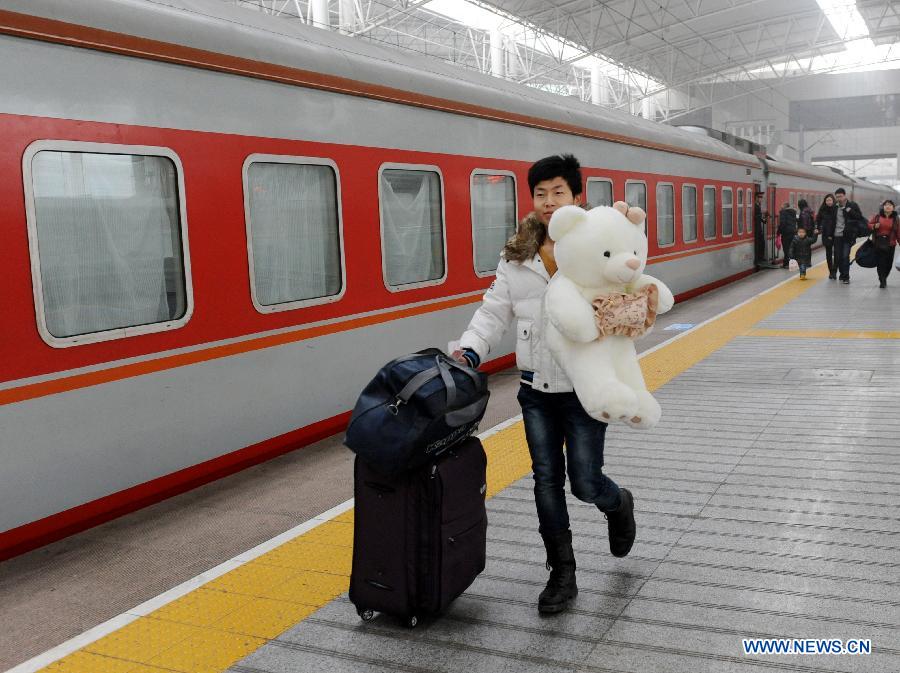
point(648, 108)
point(601, 87)
point(596, 85)
point(346, 16)
point(497, 54)
point(512, 60)
point(319, 14)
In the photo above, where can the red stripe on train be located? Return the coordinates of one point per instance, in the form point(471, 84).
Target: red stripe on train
point(57, 526)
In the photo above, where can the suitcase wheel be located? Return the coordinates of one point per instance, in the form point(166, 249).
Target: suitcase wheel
point(410, 622)
point(365, 615)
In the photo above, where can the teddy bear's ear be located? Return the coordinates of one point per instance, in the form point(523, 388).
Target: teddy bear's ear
point(621, 206)
point(636, 215)
point(564, 219)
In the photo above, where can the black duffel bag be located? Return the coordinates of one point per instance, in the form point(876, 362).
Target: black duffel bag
point(416, 407)
point(865, 255)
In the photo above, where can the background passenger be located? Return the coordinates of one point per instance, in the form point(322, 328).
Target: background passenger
point(825, 221)
point(886, 227)
point(787, 229)
point(759, 220)
point(801, 250)
point(848, 218)
point(806, 218)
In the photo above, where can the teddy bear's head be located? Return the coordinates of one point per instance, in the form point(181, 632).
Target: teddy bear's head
point(600, 247)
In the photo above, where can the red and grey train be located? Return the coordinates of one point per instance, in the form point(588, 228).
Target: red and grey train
point(217, 225)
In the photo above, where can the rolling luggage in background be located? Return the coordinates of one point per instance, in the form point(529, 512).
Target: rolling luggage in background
point(418, 538)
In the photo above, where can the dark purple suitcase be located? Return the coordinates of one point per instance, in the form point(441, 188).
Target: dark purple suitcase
point(418, 539)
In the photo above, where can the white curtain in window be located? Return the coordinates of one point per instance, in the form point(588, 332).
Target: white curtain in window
point(108, 230)
point(689, 213)
point(411, 222)
point(599, 193)
point(636, 195)
point(665, 214)
point(294, 231)
point(493, 218)
point(727, 212)
point(709, 212)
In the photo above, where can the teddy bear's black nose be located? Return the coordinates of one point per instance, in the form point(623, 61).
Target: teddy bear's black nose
point(606, 254)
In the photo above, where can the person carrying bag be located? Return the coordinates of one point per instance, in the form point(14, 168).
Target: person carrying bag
point(885, 228)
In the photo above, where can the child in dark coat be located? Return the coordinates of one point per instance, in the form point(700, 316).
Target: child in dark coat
point(801, 249)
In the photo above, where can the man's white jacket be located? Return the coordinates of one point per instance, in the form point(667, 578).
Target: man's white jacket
point(517, 297)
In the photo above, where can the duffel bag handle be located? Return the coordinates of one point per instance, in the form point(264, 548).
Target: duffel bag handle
point(442, 369)
point(468, 371)
point(449, 383)
point(412, 386)
point(467, 414)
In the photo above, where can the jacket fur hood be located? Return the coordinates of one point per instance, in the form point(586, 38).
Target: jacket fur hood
point(527, 240)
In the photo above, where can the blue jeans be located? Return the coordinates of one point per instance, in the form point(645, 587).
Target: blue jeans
point(842, 247)
point(550, 419)
point(803, 267)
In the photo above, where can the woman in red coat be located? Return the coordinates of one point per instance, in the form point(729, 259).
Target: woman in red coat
point(886, 227)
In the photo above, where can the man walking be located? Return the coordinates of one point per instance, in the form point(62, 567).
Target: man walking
point(849, 217)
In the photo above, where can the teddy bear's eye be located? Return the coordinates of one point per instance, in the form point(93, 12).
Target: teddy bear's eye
point(606, 254)
point(635, 253)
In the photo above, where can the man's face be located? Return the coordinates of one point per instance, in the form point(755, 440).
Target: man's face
point(841, 198)
point(549, 195)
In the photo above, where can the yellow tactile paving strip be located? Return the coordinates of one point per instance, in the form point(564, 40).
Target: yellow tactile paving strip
point(823, 333)
point(216, 625)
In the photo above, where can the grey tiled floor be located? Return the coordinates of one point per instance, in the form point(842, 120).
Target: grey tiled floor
point(766, 504)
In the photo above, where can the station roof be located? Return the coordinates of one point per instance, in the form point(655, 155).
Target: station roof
point(678, 42)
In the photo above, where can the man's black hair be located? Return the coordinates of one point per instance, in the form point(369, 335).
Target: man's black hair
point(840, 190)
point(563, 166)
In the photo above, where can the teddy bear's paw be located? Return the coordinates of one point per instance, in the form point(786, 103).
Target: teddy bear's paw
point(665, 304)
point(617, 403)
point(579, 331)
point(648, 412)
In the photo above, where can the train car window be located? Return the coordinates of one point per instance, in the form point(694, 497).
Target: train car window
point(108, 246)
point(412, 226)
point(740, 211)
point(749, 202)
point(294, 231)
point(727, 212)
point(665, 214)
point(709, 213)
point(636, 195)
point(689, 213)
point(493, 217)
point(793, 199)
point(599, 192)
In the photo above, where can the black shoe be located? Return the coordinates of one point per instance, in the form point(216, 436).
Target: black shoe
point(845, 281)
point(882, 284)
point(621, 526)
point(561, 589)
point(832, 277)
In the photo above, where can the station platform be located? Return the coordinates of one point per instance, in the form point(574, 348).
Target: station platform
point(765, 500)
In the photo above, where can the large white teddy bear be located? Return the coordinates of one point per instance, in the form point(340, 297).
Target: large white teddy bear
point(601, 253)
